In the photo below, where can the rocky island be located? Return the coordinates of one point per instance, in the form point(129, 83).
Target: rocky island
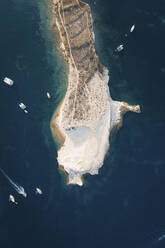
point(87, 114)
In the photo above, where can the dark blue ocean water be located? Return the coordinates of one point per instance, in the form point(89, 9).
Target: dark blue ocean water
point(123, 206)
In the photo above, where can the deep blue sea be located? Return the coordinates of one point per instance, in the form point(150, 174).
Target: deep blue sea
point(123, 206)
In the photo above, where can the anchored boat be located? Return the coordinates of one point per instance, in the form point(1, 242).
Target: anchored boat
point(8, 81)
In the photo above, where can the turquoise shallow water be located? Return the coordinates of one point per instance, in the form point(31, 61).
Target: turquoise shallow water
point(123, 206)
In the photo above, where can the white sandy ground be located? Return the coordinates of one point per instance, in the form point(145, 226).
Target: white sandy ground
point(85, 120)
point(84, 150)
point(87, 140)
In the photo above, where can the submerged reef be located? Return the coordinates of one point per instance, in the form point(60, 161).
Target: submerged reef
point(85, 118)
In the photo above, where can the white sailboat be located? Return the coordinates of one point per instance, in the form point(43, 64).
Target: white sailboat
point(132, 28)
point(22, 105)
point(38, 191)
point(12, 199)
point(8, 81)
point(119, 48)
point(48, 95)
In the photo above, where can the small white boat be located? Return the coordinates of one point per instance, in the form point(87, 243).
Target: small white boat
point(22, 105)
point(8, 81)
point(48, 95)
point(132, 28)
point(12, 199)
point(25, 111)
point(119, 48)
point(38, 191)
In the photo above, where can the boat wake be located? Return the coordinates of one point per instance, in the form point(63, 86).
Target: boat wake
point(20, 190)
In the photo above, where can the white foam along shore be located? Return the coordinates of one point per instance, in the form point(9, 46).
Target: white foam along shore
point(86, 139)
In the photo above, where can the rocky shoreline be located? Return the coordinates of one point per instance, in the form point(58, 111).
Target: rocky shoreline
point(87, 113)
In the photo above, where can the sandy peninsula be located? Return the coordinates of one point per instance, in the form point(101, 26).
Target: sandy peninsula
point(87, 114)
